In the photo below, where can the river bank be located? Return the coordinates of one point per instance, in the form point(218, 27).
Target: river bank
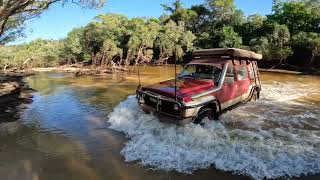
point(14, 94)
point(81, 71)
point(282, 71)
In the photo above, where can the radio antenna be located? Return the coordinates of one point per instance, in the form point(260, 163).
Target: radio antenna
point(139, 86)
point(175, 78)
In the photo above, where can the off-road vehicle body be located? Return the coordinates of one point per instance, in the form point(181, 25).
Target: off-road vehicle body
point(214, 81)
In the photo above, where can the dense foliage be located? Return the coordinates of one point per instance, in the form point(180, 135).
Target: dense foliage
point(111, 39)
point(39, 53)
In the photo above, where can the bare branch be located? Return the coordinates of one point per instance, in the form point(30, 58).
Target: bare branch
point(22, 10)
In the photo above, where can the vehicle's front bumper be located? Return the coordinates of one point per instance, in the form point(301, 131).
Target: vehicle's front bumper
point(165, 117)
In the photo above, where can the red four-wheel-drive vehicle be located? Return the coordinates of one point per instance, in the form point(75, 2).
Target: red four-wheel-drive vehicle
point(214, 81)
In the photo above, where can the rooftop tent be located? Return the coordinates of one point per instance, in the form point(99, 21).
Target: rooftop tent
point(233, 52)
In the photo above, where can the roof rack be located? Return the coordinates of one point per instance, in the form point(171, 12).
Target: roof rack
point(233, 52)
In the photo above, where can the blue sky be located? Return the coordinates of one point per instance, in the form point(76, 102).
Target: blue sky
point(59, 20)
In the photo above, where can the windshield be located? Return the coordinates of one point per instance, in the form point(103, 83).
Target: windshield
point(198, 71)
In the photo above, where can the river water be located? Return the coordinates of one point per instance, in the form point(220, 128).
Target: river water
point(91, 128)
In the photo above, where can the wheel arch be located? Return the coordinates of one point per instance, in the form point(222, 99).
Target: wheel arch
point(214, 105)
point(253, 90)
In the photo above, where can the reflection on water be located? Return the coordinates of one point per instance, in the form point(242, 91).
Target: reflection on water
point(64, 133)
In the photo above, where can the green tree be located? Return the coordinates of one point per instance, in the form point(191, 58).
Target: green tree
point(42, 53)
point(113, 37)
point(297, 16)
point(308, 42)
point(179, 13)
point(174, 40)
point(275, 44)
point(200, 24)
point(143, 34)
point(222, 8)
point(105, 37)
point(109, 51)
point(220, 18)
point(260, 45)
point(292, 26)
point(38, 53)
point(279, 40)
point(252, 28)
point(6, 56)
point(276, 6)
point(225, 13)
point(227, 38)
point(72, 45)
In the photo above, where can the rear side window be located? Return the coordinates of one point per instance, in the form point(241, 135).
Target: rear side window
point(251, 71)
point(242, 73)
point(229, 79)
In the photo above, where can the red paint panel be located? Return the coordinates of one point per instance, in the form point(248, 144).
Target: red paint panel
point(237, 88)
point(242, 86)
point(185, 87)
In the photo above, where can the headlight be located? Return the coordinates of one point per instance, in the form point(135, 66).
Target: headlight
point(141, 99)
point(176, 107)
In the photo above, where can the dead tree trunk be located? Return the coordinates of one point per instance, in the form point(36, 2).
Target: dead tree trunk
point(311, 60)
point(277, 64)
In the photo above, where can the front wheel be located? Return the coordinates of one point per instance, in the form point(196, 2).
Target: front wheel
point(203, 115)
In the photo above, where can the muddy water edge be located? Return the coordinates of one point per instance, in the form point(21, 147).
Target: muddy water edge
point(64, 133)
point(14, 97)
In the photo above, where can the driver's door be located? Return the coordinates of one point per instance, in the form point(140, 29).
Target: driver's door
point(229, 87)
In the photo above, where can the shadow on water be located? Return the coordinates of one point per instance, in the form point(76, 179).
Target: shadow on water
point(32, 153)
point(64, 134)
point(13, 100)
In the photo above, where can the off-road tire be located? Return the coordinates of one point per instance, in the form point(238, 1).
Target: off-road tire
point(254, 96)
point(202, 114)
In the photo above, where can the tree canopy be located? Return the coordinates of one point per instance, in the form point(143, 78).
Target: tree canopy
point(111, 39)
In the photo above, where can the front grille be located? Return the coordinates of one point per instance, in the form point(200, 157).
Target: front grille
point(168, 107)
point(164, 106)
point(149, 101)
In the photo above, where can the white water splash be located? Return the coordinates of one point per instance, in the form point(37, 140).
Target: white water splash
point(271, 138)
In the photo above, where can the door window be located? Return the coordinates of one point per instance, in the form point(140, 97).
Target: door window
point(242, 73)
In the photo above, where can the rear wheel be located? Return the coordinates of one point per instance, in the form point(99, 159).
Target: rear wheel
point(204, 115)
point(254, 96)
